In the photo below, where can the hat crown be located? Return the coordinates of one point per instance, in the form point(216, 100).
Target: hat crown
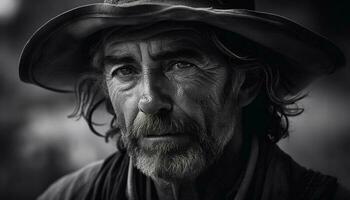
point(220, 4)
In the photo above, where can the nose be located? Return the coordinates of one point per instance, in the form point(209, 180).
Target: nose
point(154, 98)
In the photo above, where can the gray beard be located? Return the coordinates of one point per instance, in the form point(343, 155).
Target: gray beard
point(170, 166)
point(167, 162)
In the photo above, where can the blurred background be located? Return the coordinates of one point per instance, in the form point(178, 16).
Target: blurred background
point(38, 143)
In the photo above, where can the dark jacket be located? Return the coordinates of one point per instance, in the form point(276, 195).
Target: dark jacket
point(276, 176)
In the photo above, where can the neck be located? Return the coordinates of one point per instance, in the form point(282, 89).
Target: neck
point(184, 190)
point(216, 181)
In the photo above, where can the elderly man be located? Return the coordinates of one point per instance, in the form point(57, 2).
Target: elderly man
point(199, 91)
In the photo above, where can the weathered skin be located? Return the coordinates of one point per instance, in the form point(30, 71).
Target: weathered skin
point(182, 76)
point(178, 103)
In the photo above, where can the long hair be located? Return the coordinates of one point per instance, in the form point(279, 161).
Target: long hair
point(267, 116)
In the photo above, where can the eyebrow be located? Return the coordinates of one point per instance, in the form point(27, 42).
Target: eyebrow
point(163, 55)
point(180, 48)
point(118, 59)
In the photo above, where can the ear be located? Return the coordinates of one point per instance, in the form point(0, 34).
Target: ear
point(250, 88)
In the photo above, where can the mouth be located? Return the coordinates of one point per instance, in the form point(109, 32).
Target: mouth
point(168, 140)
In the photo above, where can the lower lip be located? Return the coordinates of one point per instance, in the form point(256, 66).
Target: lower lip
point(178, 140)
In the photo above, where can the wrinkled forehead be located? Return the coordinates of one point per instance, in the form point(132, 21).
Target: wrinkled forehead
point(165, 36)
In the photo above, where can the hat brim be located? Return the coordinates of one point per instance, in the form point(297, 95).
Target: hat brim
point(54, 59)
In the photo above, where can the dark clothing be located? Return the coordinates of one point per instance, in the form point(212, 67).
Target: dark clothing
point(276, 176)
point(74, 185)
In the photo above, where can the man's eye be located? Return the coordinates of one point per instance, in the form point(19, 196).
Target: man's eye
point(124, 71)
point(179, 65)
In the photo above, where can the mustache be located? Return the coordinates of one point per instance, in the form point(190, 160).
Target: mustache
point(164, 124)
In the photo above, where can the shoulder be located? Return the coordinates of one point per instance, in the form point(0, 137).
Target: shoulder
point(305, 183)
point(342, 193)
point(72, 186)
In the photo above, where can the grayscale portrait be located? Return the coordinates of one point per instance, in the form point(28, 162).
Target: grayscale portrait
point(188, 100)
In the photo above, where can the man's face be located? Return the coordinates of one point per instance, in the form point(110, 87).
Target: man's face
point(173, 97)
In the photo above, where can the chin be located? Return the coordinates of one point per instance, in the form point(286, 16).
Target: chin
point(171, 166)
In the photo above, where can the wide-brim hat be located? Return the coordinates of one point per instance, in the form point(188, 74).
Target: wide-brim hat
point(56, 55)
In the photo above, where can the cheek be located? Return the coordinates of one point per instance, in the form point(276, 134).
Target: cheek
point(185, 100)
point(207, 89)
point(124, 102)
point(200, 98)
